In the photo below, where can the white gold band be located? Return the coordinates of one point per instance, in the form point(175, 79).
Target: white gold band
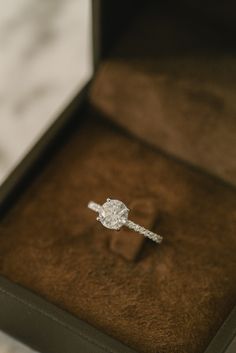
point(94, 206)
point(147, 233)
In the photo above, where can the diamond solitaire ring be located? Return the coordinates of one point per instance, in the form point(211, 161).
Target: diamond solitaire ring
point(113, 214)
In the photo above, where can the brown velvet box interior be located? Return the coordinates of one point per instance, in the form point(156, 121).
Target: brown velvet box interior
point(175, 296)
point(171, 81)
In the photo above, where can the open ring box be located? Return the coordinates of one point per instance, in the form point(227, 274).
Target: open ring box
point(157, 121)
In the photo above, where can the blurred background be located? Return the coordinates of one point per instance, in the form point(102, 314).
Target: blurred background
point(46, 57)
point(9, 345)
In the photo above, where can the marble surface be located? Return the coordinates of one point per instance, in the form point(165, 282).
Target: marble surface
point(10, 345)
point(45, 59)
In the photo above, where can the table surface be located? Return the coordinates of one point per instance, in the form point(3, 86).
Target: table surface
point(46, 58)
point(10, 345)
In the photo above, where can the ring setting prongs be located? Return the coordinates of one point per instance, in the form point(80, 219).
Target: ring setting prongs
point(113, 214)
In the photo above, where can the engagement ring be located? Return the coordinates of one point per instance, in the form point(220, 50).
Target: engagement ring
point(113, 214)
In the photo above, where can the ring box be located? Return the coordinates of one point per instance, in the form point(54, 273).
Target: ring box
point(61, 287)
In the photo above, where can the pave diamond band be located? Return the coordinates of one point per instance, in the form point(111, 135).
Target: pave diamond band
point(113, 214)
point(94, 206)
point(147, 233)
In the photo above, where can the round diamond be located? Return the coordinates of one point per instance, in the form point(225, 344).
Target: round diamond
point(113, 214)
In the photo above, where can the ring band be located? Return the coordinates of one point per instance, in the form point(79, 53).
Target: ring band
point(113, 214)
